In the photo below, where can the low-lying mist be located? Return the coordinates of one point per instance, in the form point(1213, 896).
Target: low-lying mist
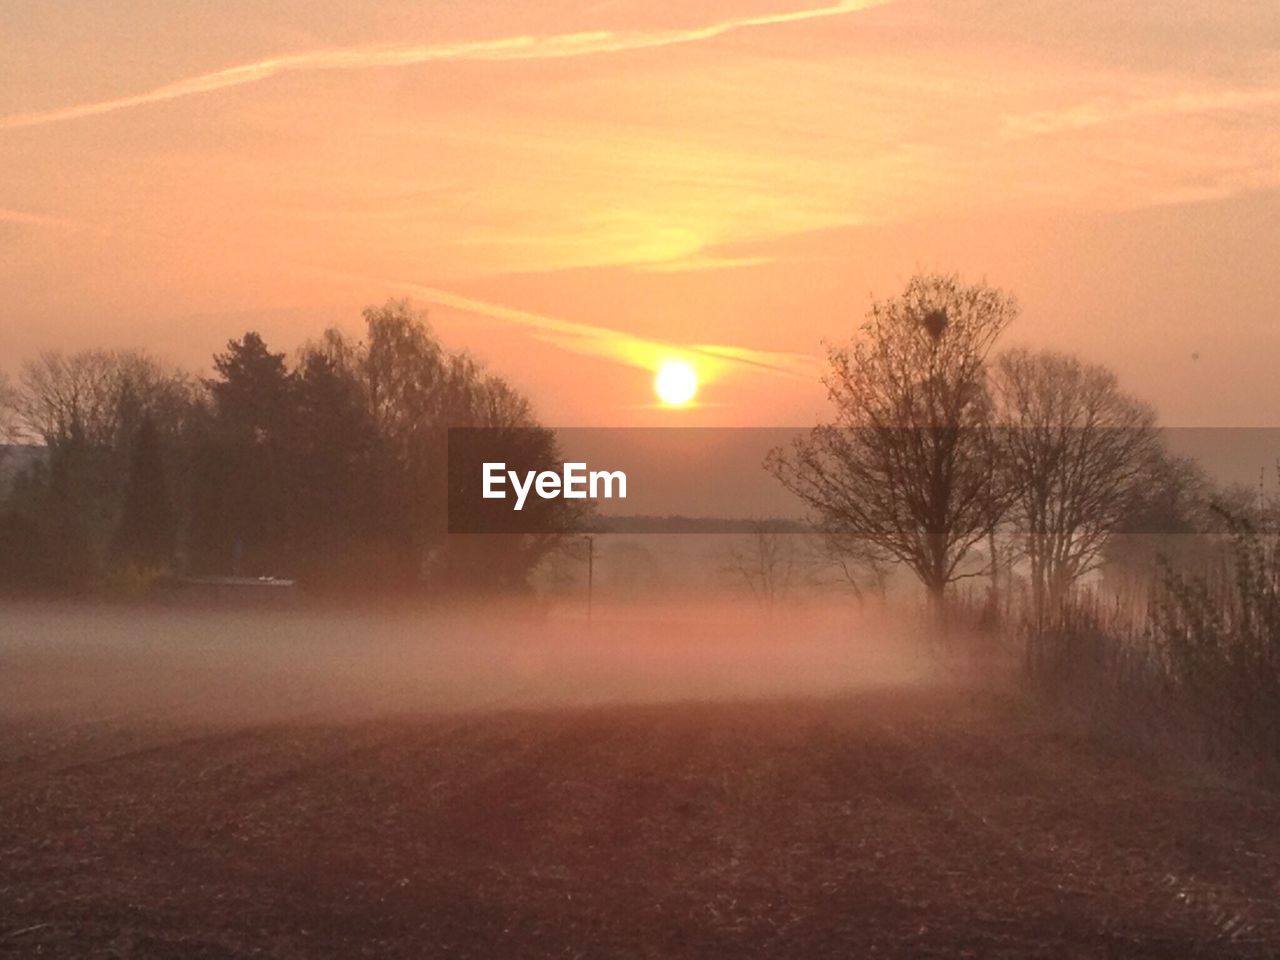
point(241, 665)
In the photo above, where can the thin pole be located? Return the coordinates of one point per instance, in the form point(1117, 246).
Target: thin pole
point(591, 565)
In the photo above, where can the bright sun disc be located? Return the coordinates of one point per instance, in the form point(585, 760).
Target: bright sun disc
point(676, 383)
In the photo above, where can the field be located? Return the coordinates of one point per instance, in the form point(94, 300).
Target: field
point(200, 784)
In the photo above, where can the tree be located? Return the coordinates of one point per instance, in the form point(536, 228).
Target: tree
point(64, 500)
point(61, 394)
point(368, 453)
point(250, 392)
point(26, 561)
point(404, 371)
point(1169, 521)
point(766, 561)
point(1218, 633)
point(8, 428)
point(241, 499)
point(504, 428)
point(1077, 451)
point(102, 394)
point(331, 471)
point(144, 536)
point(8, 411)
point(417, 390)
point(859, 563)
point(86, 409)
point(906, 461)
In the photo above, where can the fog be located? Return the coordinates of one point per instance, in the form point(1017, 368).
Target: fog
point(96, 662)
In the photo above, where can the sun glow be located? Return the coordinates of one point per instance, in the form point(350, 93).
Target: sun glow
point(676, 383)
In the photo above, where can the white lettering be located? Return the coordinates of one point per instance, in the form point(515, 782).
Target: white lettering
point(521, 491)
point(574, 482)
point(494, 473)
point(548, 484)
point(608, 476)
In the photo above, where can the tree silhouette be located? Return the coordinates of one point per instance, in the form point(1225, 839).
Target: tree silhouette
point(241, 497)
point(906, 462)
point(1078, 451)
point(332, 469)
point(144, 536)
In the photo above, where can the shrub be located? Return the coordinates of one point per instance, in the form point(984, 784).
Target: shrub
point(1198, 674)
point(133, 582)
point(1219, 633)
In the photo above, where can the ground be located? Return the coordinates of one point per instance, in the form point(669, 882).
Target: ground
point(889, 821)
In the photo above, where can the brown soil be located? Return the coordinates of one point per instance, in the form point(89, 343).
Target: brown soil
point(893, 823)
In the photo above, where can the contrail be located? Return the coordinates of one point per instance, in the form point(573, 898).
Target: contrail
point(553, 47)
point(583, 338)
point(26, 218)
point(1103, 111)
point(608, 343)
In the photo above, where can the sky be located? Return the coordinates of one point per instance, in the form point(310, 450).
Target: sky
point(576, 191)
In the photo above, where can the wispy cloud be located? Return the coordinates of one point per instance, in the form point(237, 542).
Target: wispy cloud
point(1101, 111)
point(702, 262)
point(585, 339)
point(551, 47)
point(26, 218)
point(791, 364)
point(607, 343)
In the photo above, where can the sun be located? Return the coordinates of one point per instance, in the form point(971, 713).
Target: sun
point(676, 383)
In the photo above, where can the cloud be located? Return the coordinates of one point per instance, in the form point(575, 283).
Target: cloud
point(40, 220)
point(702, 262)
point(1106, 110)
point(797, 365)
point(553, 47)
point(606, 343)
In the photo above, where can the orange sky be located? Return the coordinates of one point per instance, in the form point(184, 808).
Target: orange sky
point(579, 189)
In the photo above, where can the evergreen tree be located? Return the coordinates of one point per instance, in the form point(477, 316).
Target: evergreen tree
point(241, 500)
point(145, 533)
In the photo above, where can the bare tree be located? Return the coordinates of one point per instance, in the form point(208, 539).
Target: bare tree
point(1078, 451)
point(8, 423)
point(8, 410)
point(101, 395)
point(766, 561)
point(861, 564)
point(906, 461)
point(1169, 521)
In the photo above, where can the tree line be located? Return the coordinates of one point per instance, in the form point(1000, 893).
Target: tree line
point(955, 461)
point(943, 456)
point(328, 467)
